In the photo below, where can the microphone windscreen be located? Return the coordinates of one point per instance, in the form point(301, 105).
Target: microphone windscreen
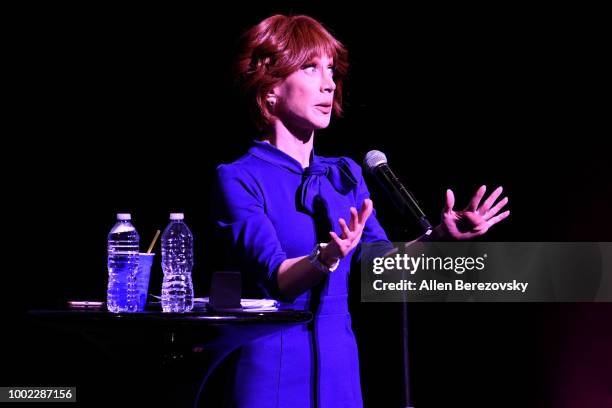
point(373, 159)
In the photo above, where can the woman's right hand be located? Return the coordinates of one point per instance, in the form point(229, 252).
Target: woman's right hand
point(339, 247)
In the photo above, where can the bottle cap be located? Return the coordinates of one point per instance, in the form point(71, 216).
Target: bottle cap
point(177, 216)
point(124, 216)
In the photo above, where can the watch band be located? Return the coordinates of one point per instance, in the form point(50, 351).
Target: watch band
point(316, 262)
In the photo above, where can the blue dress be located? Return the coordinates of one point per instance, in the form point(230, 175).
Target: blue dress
point(269, 209)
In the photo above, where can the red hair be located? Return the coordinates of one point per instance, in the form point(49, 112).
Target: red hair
point(277, 47)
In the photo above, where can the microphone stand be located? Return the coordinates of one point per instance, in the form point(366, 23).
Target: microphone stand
point(376, 162)
point(405, 360)
point(427, 230)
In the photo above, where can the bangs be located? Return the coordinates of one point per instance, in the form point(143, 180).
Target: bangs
point(312, 44)
point(305, 42)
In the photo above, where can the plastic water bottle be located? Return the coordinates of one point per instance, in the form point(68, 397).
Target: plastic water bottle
point(177, 263)
point(123, 248)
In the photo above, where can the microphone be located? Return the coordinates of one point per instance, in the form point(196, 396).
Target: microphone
point(375, 163)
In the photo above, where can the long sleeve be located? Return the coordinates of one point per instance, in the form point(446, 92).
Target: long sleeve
point(240, 217)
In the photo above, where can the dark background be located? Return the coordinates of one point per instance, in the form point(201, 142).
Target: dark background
point(131, 111)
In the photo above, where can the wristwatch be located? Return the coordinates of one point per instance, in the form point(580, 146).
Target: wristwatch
point(315, 260)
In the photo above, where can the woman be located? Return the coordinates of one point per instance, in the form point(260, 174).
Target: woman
point(292, 222)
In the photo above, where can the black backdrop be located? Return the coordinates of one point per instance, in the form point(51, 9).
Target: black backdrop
point(131, 110)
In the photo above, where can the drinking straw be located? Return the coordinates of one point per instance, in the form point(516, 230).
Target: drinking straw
point(153, 243)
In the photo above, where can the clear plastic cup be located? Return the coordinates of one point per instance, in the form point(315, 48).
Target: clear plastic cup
point(142, 279)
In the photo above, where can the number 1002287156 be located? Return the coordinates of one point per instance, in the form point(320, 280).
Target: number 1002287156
point(37, 393)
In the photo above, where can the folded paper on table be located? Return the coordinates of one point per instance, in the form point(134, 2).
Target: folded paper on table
point(256, 305)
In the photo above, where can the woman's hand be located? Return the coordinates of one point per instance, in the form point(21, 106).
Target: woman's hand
point(475, 219)
point(339, 247)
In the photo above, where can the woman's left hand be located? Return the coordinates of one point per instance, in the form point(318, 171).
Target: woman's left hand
point(475, 219)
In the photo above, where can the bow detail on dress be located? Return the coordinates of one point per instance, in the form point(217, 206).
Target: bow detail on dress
point(323, 176)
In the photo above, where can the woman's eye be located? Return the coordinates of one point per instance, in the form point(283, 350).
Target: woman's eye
point(309, 68)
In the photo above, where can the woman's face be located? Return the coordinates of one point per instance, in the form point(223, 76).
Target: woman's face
point(304, 99)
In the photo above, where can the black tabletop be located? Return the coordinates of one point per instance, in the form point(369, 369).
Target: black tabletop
point(157, 317)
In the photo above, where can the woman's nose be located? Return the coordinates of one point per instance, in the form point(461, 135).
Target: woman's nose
point(328, 84)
